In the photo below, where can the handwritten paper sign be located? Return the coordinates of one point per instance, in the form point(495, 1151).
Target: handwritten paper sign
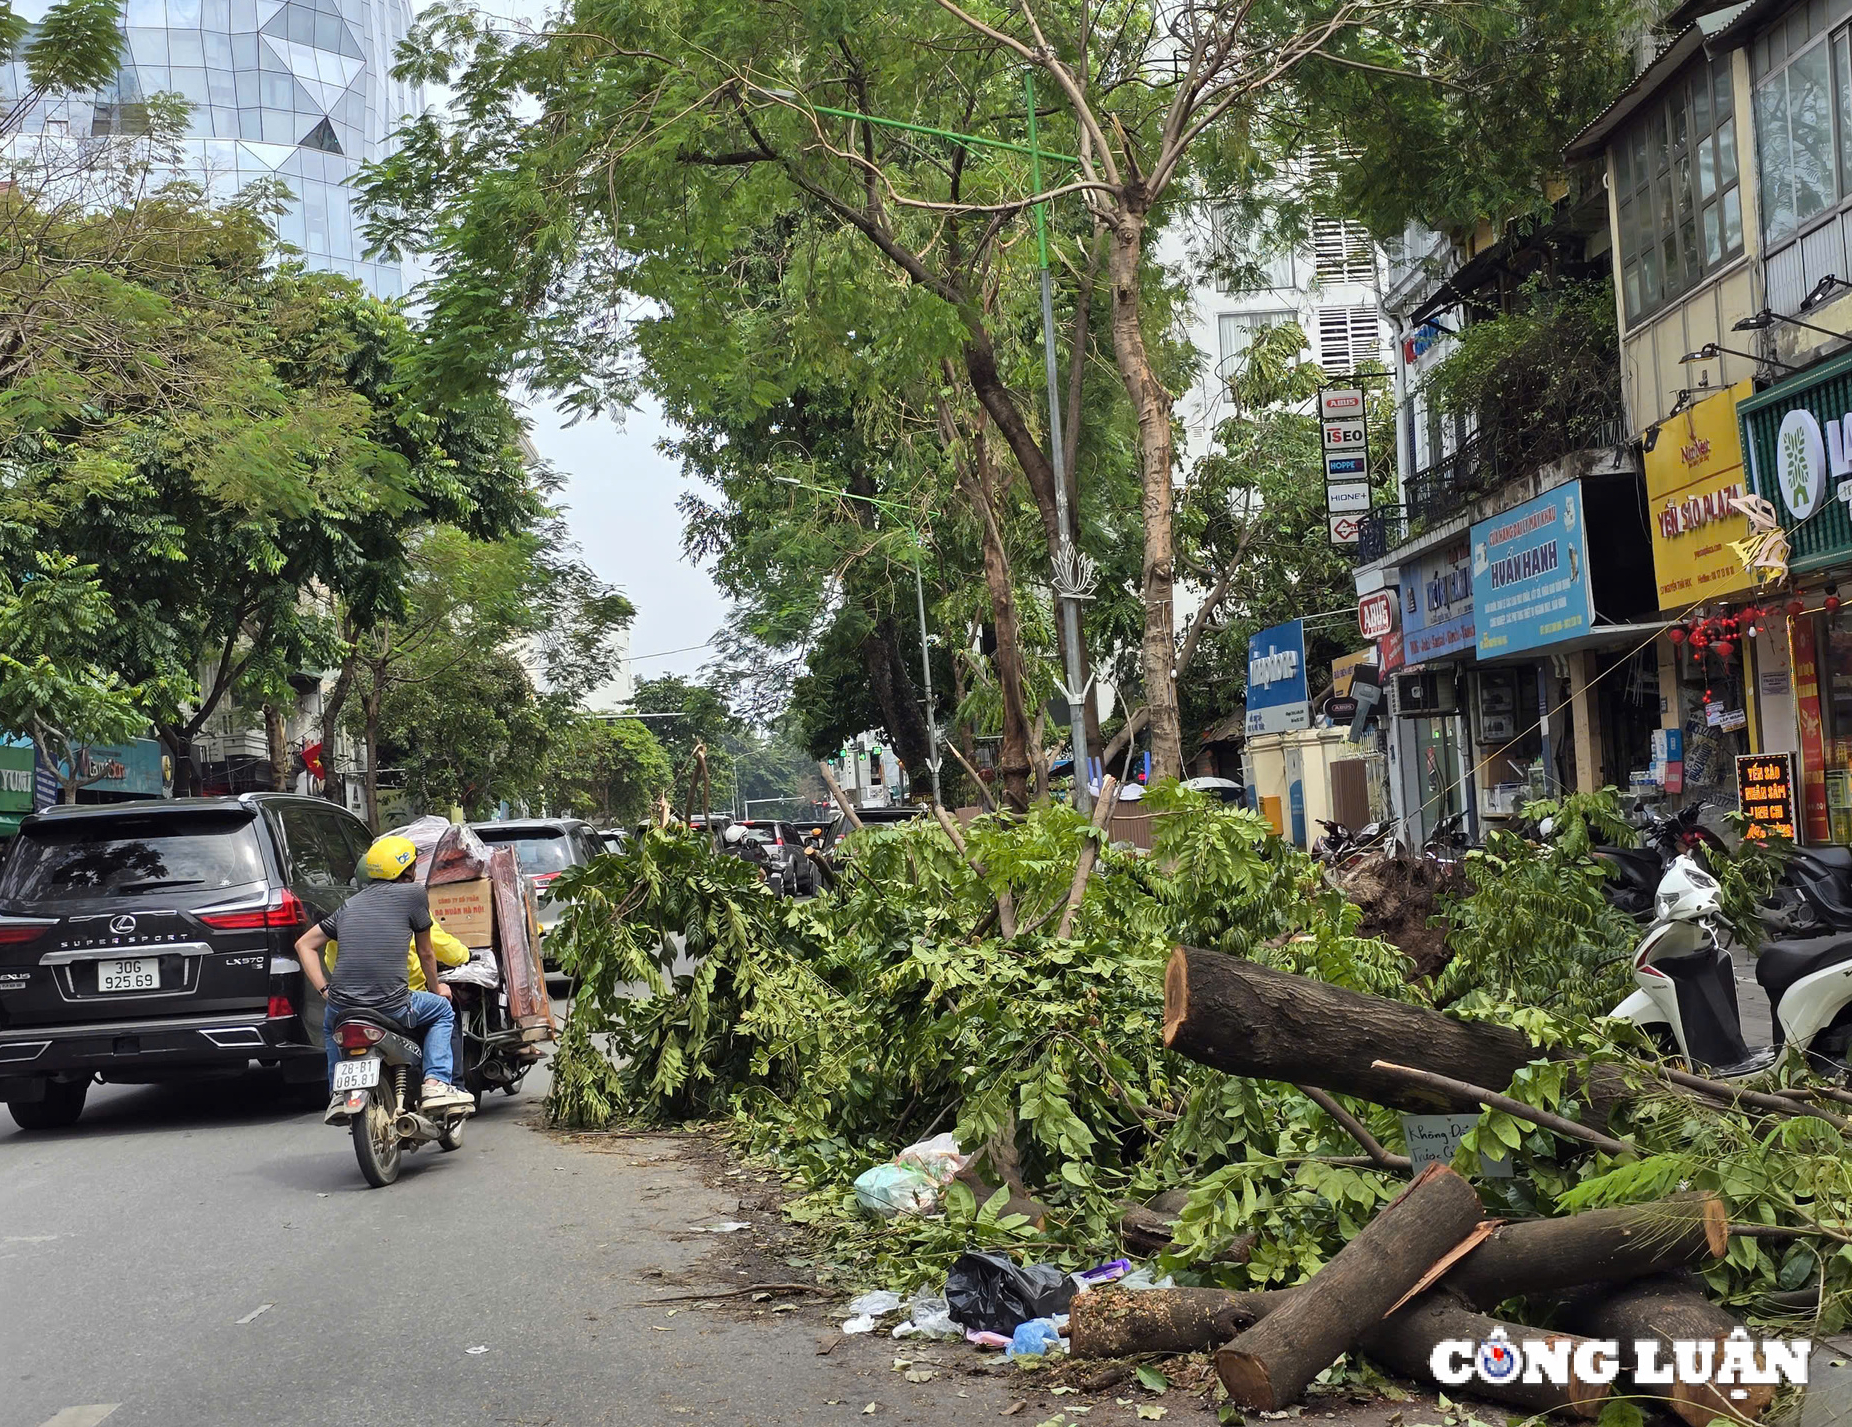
point(1433, 1139)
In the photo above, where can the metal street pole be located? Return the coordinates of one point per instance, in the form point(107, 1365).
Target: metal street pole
point(1067, 574)
point(933, 757)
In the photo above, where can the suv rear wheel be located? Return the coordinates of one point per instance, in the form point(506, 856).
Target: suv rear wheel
point(63, 1103)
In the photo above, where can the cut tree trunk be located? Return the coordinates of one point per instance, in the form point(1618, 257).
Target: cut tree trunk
point(1124, 1322)
point(1549, 1255)
point(1662, 1310)
point(1271, 1364)
point(1248, 1019)
point(1404, 1341)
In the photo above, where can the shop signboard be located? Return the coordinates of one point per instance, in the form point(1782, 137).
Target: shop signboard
point(1345, 437)
point(1278, 700)
point(1804, 658)
point(1765, 793)
point(1530, 574)
point(1437, 604)
point(136, 769)
point(1344, 670)
point(1376, 613)
point(1798, 452)
point(1693, 473)
point(16, 763)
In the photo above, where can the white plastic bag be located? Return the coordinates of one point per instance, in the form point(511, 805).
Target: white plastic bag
point(930, 1318)
point(890, 1189)
point(938, 1157)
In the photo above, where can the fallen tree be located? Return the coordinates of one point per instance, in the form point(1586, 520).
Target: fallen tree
point(1268, 1366)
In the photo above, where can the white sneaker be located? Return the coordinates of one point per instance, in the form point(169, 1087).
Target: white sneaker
point(436, 1095)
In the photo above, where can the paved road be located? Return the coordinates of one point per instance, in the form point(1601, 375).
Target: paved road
point(135, 1248)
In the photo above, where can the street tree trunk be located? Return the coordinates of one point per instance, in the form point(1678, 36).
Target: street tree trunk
point(1013, 766)
point(334, 784)
point(278, 747)
point(1156, 456)
point(370, 707)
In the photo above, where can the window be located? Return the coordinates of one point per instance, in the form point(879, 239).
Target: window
point(1676, 189)
point(1246, 259)
point(1342, 251)
point(1348, 337)
point(1803, 107)
point(132, 855)
point(1235, 334)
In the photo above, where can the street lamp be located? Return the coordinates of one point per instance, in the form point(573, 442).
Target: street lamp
point(1073, 573)
point(933, 758)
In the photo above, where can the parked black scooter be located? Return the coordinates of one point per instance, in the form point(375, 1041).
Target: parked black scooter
point(1814, 896)
point(1340, 846)
point(1637, 870)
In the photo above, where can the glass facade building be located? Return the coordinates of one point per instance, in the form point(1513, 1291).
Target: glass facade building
point(297, 90)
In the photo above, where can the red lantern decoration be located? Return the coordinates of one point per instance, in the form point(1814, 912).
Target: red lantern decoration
point(1676, 634)
point(1723, 648)
point(1796, 607)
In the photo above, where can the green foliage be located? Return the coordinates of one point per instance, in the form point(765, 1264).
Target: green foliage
point(74, 45)
point(608, 770)
point(1581, 822)
point(1536, 930)
point(1746, 876)
point(1538, 382)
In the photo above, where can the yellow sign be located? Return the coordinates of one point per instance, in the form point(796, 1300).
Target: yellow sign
point(1345, 669)
point(1693, 473)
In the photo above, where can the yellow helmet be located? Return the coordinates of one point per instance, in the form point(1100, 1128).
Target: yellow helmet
point(388, 858)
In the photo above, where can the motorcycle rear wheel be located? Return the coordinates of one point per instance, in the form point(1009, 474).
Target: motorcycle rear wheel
point(376, 1139)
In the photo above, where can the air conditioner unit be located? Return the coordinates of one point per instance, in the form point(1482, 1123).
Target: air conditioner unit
point(1427, 695)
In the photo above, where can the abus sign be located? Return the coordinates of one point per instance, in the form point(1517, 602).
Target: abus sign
point(1376, 614)
point(1732, 1364)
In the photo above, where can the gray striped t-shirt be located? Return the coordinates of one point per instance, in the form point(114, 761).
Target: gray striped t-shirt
point(375, 929)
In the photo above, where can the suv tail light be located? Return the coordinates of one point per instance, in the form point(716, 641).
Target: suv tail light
point(17, 935)
point(544, 880)
point(284, 913)
point(357, 1035)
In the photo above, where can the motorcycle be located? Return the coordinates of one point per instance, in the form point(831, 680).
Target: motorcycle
point(1449, 841)
point(1814, 896)
point(1637, 870)
point(381, 1074)
point(1340, 845)
point(1686, 997)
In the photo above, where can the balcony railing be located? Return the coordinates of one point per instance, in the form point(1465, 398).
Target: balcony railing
point(1381, 531)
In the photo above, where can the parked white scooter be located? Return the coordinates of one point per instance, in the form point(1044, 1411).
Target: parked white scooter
point(1687, 997)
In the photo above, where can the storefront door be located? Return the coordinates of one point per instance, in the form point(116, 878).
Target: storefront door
point(1437, 771)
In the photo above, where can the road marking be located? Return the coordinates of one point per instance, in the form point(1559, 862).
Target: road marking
point(82, 1416)
point(261, 1308)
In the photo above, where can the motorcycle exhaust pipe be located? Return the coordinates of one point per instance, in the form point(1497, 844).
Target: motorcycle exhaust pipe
point(411, 1125)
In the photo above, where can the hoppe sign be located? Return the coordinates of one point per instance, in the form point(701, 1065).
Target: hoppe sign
point(1277, 697)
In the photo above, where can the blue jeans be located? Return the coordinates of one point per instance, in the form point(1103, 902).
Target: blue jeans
point(429, 1013)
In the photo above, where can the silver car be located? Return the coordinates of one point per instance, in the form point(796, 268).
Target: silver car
point(545, 847)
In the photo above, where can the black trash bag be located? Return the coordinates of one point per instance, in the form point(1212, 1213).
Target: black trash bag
point(993, 1294)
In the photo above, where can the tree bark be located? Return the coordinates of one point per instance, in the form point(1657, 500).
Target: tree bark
point(836, 792)
point(1013, 763)
point(890, 680)
point(1664, 1309)
point(1404, 1341)
point(278, 747)
point(334, 784)
point(370, 706)
point(1549, 1255)
point(1122, 1322)
point(1148, 1231)
point(1270, 1365)
point(1248, 1019)
point(1156, 452)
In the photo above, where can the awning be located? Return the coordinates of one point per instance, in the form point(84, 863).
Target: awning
point(1744, 23)
point(1594, 136)
point(1602, 636)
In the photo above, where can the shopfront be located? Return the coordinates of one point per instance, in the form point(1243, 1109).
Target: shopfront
point(1694, 480)
point(15, 785)
point(111, 773)
point(1795, 436)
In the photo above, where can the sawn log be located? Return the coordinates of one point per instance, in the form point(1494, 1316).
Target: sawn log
point(1248, 1019)
point(1268, 1366)
point(1664, 1309)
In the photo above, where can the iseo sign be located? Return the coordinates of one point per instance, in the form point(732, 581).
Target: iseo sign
point(1277, 697)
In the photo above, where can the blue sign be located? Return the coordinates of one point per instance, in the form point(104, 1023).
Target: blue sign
point(1530, 574)
point(1437, 604)
point(1277, 696)
point(134, 769)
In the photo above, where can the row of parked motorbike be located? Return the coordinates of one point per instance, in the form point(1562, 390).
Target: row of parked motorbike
point(1685, 999)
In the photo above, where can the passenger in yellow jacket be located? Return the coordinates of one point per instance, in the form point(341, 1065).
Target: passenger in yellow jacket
point(446, 948)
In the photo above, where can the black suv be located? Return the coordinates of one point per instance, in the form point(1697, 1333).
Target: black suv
point(142, 942)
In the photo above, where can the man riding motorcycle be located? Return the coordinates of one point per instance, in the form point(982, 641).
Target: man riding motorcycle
point(372, 972)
